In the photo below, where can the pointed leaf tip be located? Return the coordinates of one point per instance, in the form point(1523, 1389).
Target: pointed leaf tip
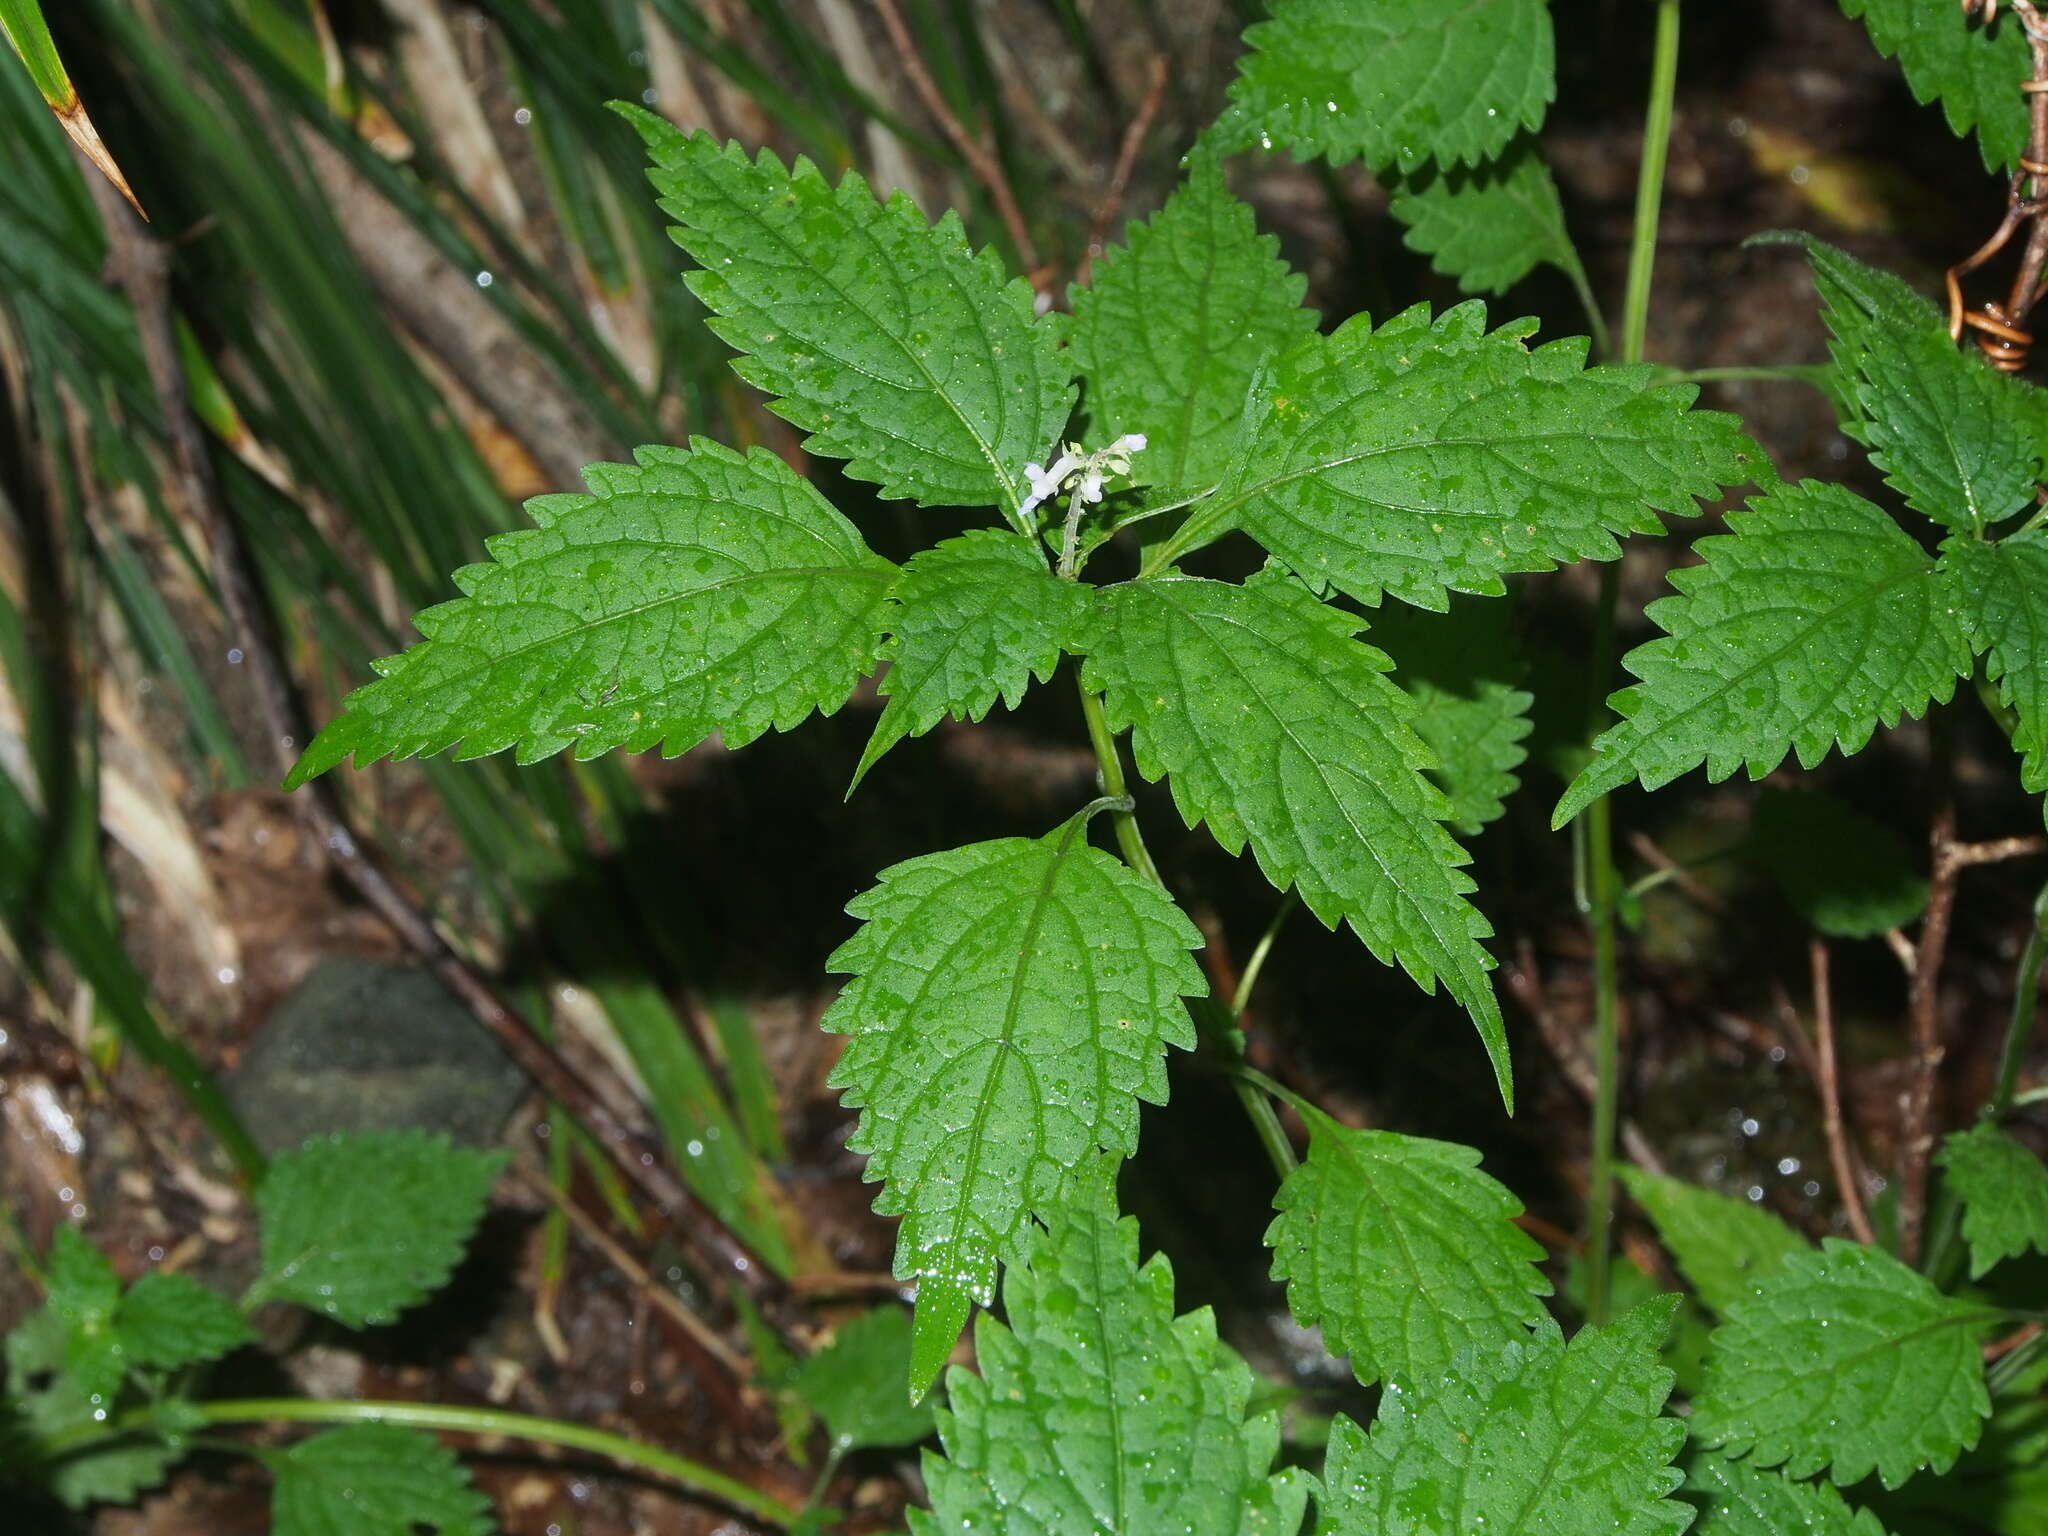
point(942, 1308)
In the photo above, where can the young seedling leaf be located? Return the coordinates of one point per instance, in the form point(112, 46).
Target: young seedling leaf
point(1491, 225)
point(1461, 668)
point(1973, 70)
point(2004, 1190)
point(2001, 593)
point(975, 619)
point(375, 1480)
point(1011, 1003)
point(855, 1384)
point(1815, 620)
point(1397, 82)
point(1723, 1245)
point(1172, 330)
point(1846, 1361)
point(885, 338)
point(1275, 727)
point(1849, 876)
point(1096, 1408)
point(83, 1294)
point(1736, 1497)
point(51, 1402)
point(689, 592)
point(1424, 457)
point(360, 1227)
point(1536, 1435)
point(1959, 440)
point(1402, 1251)
point(168, 1321)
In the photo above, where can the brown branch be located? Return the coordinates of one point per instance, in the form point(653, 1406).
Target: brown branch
point(1126, 161)
point(1997, 850)
point(987, 169)
point(1916, 1142)
point(139, 265)
point(1525, 983)
point(1681, 877)
point(1840, 1156)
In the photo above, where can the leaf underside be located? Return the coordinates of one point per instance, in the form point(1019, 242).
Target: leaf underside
point(1846, 1361)
point(1425, 456)
point(1175, 324)
point(1848, 875)
point(884, 338)
point(1489, 226)
point(1395, 82)
point(690, 592)
point(1011, 1003)
point(1530, 1436)
point(1276, 728)
point(974, 620)
point(1096, 1408)
point(2004, 1190)
point(1814, 621)
point(1402, 1251)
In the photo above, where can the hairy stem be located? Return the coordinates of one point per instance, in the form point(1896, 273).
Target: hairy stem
point(1218, 1027)
point(1602, 877)
point(689, 1475)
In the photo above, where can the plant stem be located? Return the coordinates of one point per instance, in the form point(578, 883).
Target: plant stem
point(689, 1475)
point(1257, 963)
point(2007, 1368)
point(1218, 1027)
point(1602, 876)
point(2025, 1005)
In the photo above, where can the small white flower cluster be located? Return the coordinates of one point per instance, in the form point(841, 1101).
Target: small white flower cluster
point(1079, 471)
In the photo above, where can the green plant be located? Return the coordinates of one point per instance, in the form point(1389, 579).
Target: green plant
point(1010, 1003)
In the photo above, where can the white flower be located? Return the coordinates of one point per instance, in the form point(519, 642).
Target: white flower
point(1079, 471)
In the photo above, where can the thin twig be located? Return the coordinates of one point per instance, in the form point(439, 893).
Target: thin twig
point(1916, 1142)
point(1839, 1157)
point(987, 169)
point(1525, 983)
point(1683, 878)
point(139, 265)
point(1126, 161)
point(1997, 850)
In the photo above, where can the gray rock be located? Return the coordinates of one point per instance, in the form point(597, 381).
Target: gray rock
point(366, 1045)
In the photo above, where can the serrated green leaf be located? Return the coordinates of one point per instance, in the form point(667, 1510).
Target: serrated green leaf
point(1958, 439)
point(1096, 1408)
point(887, 340)
point(1402, 1251)
point(1723, 1245)
point(1175, 325)
point(689, 592)
point(1740, 1498)
point(855, 1383)
point(1461, 668)
point(167, 1321)
point(1488, 226)
point(375, 1480)
point(1011, 1003)
point(360, 1227)
point(1973, 70)
point(1849, 876)
point(83, 1293)
point(1815, 620)
point(1398, 82)
point(1426, 456)
point(1276, 728)
point(40, 1347)
point(974, 620)
point(1848, 1361)
point(1530, 1436)
point(2000, 591)
point(2004, 1190)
